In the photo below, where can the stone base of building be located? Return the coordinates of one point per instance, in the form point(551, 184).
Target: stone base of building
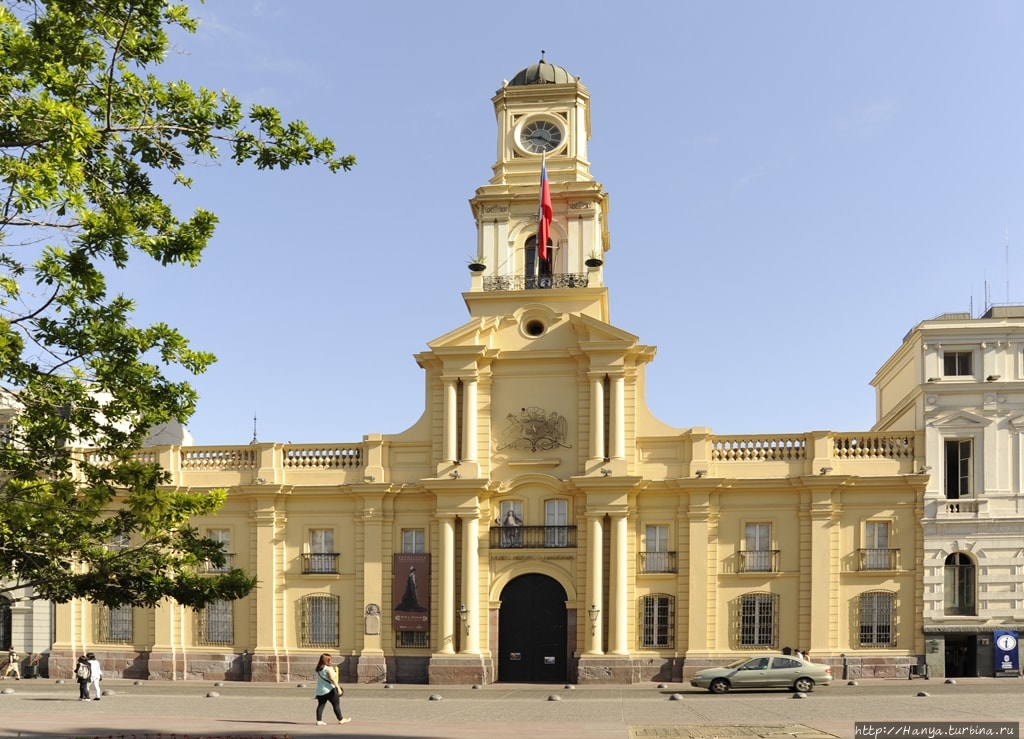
point(460, 670)
point(372, 670)
point(605, 670)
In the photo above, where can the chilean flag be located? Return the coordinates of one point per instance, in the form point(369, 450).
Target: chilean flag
point(544, 216)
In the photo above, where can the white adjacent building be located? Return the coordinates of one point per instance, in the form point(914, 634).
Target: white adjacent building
point(961, 380)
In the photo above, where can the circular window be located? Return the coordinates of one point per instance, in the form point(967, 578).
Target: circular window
point(534, 327)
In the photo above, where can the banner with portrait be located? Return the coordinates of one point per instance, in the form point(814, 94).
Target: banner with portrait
point(411, 592)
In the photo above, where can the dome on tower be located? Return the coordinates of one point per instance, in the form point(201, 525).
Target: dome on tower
point(542, 73)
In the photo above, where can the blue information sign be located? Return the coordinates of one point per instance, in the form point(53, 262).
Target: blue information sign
point(1007, 654)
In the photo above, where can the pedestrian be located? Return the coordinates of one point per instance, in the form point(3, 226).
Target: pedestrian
point(95, 674)
point(83, 672)
point(12, 664)
point(328, 690)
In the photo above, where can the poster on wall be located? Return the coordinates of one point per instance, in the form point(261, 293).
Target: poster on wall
point(411, 589)
point(1007, 655)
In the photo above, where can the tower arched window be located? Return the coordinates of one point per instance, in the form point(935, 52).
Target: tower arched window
point(536, 268)
point(959, 597)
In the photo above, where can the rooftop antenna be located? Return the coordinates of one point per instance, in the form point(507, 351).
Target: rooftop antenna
point(254, 441)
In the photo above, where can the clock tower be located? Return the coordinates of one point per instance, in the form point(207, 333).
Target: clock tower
point(543, 117)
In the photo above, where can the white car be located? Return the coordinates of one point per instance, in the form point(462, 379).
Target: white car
point(764, 672)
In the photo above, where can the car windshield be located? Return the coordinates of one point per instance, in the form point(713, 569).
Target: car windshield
point(738, 662)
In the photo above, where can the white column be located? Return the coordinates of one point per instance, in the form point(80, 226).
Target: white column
point(597, 450)
point(617, 440)
point(471, 584)
point(594, 594)
point(469, 420)
point(446, 591)
point(450, 416)
point(617, 597)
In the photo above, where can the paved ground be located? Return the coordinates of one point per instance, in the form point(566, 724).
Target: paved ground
point(190, 710)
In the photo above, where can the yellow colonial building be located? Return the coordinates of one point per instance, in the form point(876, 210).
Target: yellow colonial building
point(538, 523)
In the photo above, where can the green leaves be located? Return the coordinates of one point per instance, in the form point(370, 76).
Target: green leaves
point(87, 131)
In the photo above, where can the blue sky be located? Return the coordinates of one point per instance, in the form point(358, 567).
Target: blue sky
point(794, 186)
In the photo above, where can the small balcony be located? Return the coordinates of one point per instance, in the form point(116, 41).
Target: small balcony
point(759, 560)
point(878, 559)
point(320, 563)
point(503, 283)
point(533, 537)
point(657, 562)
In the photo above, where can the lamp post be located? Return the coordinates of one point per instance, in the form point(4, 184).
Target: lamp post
point(593, 612)
point(464, 616)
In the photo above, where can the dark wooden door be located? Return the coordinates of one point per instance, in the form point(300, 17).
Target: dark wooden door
point(532, 633)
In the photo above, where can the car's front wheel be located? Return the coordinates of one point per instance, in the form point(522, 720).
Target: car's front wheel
point(803, 685)
point(719, 686)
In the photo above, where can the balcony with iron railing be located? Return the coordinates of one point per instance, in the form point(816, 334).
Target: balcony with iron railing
point(759, 560)
point(657, 562)
point(533, 537)
point(878, 559)
point(320, 563)
point(502, 283)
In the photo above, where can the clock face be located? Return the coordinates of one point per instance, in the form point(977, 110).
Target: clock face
point(540, 136)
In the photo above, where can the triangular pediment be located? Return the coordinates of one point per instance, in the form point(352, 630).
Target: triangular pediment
point(959, 419)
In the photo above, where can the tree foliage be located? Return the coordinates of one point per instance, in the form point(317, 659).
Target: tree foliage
point(88, 136)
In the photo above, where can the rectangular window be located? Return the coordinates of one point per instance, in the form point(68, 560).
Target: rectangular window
point(215, 623)
point(959, 468)
point(322, 557)
point(319, 619)
point(511, 523)
point(658, 621)
point(758, 619)
point(223, 537)
point(114, 625)
point(118, 543)
point(657, 557)
point(413, 541)
point(556, 519)
point(878, 619)
point(757, 555)
point(957, 364)
point(877, 555)
point(413, 639)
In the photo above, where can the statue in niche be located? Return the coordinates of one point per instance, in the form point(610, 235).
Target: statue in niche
point(535, 429)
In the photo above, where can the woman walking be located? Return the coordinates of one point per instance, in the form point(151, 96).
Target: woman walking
point(328, 690)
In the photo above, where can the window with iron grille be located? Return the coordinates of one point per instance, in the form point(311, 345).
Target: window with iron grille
point(215, 623)
point(878, 619)
point(118, 542)
point(416, 639)
point(759, 618)
point(657, 617)
point(113, 625)
point(319, 620)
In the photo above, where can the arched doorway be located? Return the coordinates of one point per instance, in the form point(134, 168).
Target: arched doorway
point(532, 631)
